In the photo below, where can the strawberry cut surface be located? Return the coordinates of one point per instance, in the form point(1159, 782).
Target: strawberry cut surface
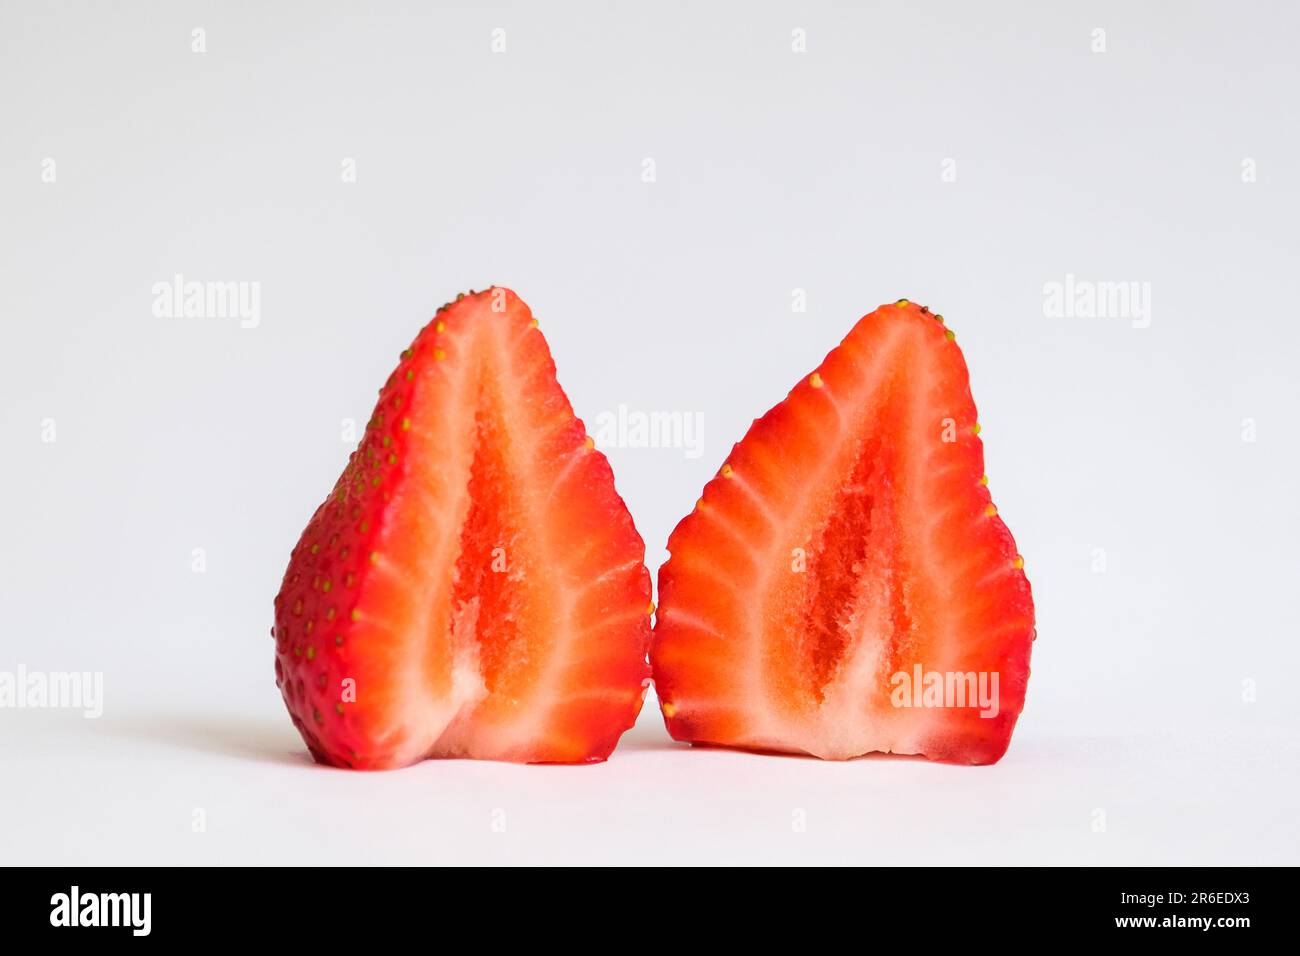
point(474, 585)
point(845, 584)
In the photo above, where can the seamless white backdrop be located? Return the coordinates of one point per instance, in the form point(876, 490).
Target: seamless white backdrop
point(774, 171)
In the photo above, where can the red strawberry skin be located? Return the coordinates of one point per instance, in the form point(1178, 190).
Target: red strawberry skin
point(850, 538)
point(473, 586)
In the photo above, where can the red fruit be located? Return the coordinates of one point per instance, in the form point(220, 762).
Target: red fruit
point(473, 586)
point(849, 539)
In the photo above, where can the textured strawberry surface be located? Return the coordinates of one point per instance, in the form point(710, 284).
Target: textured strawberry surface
point(850, 538)
point(474, 585)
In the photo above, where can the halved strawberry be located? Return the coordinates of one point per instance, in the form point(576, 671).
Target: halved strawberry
point(845, 554)
point(474, 585)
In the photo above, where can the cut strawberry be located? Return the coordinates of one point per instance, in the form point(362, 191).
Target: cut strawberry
point(474, 585)
point(845, 584)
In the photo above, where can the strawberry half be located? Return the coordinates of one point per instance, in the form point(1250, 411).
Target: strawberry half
point(474, 585)
point(845, 584)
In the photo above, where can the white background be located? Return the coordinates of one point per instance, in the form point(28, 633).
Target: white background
point(775, 171)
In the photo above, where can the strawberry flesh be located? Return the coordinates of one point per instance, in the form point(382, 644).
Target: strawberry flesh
point(845, 584)
point(474, 585)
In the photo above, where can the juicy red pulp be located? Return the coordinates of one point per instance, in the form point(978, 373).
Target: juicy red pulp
point(870, 477)
point(485, 603)
point(833, 578)
point(434, 606)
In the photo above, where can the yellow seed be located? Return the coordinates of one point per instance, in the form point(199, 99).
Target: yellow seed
point(533, 324)
point(976, 429)
point(440, 327)
point(409, 374)
point(984, 480)
point(406, 354)
point(392, 459)
point(938, 318)
point(329, 615)
point(902, 302)
point(699, 503)
point(669, 709)
point(1018, 563)
point(439, 355)
point(650, 608)
point(326, 585)
point(388, 440)
point(338, 709)
point(350, 580)
point(815, 381)
point(374, 557)
point(990, 509)
point(297, 606)
point(356, 615)
point(311, 653)
point(406, 424)
point(590, 443)
point(311, 626)
point(950, 335)
point(315, 549)
point(726, 471)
